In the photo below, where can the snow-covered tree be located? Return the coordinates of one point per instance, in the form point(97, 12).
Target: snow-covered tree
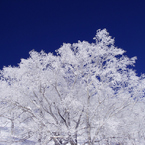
point(86, 94)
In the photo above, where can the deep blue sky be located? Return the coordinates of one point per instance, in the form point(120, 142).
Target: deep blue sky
point(46, 24)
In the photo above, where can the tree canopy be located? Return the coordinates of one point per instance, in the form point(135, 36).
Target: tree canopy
point(88, 94)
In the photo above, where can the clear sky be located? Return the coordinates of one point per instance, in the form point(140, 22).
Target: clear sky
point(46, 24)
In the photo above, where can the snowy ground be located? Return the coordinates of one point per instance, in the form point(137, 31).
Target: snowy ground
point(6, 139)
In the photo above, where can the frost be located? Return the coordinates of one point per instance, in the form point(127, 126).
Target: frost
point(86, 94)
